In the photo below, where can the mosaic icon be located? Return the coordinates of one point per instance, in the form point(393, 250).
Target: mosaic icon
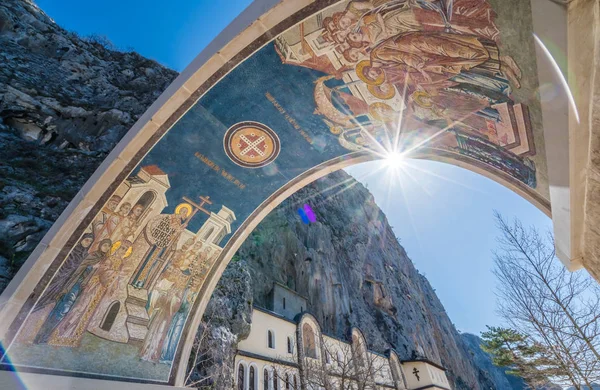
point(251, 144)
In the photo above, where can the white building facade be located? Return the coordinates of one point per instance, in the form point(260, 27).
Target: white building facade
point(285, 354)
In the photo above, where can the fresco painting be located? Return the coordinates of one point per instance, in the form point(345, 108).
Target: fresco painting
point(377, 75)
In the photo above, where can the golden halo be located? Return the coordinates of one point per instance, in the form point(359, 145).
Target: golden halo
point(183, 206)
point(378, 93)
point(418, 96)
point(360, 68)
point(336, 129)
point(114, 248)
point(383, 117)
point(128, 253)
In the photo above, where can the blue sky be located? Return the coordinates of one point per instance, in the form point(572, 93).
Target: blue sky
point(443, 215)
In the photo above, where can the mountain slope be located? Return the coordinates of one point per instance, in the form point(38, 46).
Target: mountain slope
point(355, 273)
point(65, 102)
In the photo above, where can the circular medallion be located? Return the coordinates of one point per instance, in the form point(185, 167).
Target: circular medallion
point(251, 144)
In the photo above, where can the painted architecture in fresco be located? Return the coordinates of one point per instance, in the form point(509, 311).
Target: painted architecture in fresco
point(134, 274)
point(433, 75)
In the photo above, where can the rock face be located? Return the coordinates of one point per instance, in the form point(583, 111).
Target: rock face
point(65, 102)
point(483, 360)
point(354, 272)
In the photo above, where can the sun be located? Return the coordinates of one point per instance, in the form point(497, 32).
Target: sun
point(394, 160)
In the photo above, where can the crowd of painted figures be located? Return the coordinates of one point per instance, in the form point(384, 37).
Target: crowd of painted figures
point(101, 268)
point(425, 66)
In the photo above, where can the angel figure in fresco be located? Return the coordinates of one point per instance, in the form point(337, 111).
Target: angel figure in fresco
point(71, 329)
point(177, 324)
point(166, 298)
point(73, 286)
point(162, 233)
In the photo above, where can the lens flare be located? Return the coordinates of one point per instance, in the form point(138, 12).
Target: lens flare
point(394, 160)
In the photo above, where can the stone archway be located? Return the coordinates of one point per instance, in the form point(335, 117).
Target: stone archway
point(285, 101)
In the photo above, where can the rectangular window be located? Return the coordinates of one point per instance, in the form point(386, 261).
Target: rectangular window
point(283, 303)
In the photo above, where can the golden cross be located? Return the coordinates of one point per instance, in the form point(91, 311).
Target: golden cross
point(199, 207)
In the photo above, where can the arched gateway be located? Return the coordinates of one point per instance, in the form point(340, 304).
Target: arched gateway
point(291, 91)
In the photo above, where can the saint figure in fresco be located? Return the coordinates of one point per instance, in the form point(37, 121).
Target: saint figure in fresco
point(435, 57)
point(445, 109)
point(107, 211)
point(162, 233)
point(126, 228)
point(183, 256)
point(177, 324)
point(110, 225)
point(165, 301)
point(70, 330)
point(72, 289)
point(57, 285)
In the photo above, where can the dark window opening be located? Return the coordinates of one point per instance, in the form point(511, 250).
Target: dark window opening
point(240, 378)
point(111, 315)
point(252, 378)
point(265, 379)
point(271, 339)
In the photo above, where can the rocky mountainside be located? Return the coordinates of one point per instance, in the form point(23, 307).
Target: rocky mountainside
point(484, 361)
point(354, 272)
point(65, 101)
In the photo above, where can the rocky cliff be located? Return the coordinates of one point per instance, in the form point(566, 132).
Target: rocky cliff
point(354, 272)
point(65, 102)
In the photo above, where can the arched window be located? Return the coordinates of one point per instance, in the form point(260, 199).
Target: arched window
point(275, 380)
point(290, 345)
point(265, 379)
point(208, 233)
point(327, 357)
point(357, 346)
point(252, 379)
point(287, 381)
point(145, 201)
point(283, 303)
point(241, 377)
point(308, 339)
point(295, 382)
point(110, 316)
point(271, 339)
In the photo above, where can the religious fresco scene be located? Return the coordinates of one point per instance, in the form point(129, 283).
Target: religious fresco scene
point(434, 77)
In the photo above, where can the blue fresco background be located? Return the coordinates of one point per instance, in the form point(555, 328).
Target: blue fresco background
point(203, 128)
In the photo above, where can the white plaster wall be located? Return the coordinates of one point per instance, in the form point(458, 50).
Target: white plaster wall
point(257, 342)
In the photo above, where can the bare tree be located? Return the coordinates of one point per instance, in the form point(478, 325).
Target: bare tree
point(540, 298)
point(343, 367)
point(206, 368)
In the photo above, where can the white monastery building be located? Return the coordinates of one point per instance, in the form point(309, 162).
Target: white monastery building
point(288, 351)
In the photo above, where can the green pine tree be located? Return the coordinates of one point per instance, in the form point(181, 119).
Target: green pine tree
point(520, 356)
